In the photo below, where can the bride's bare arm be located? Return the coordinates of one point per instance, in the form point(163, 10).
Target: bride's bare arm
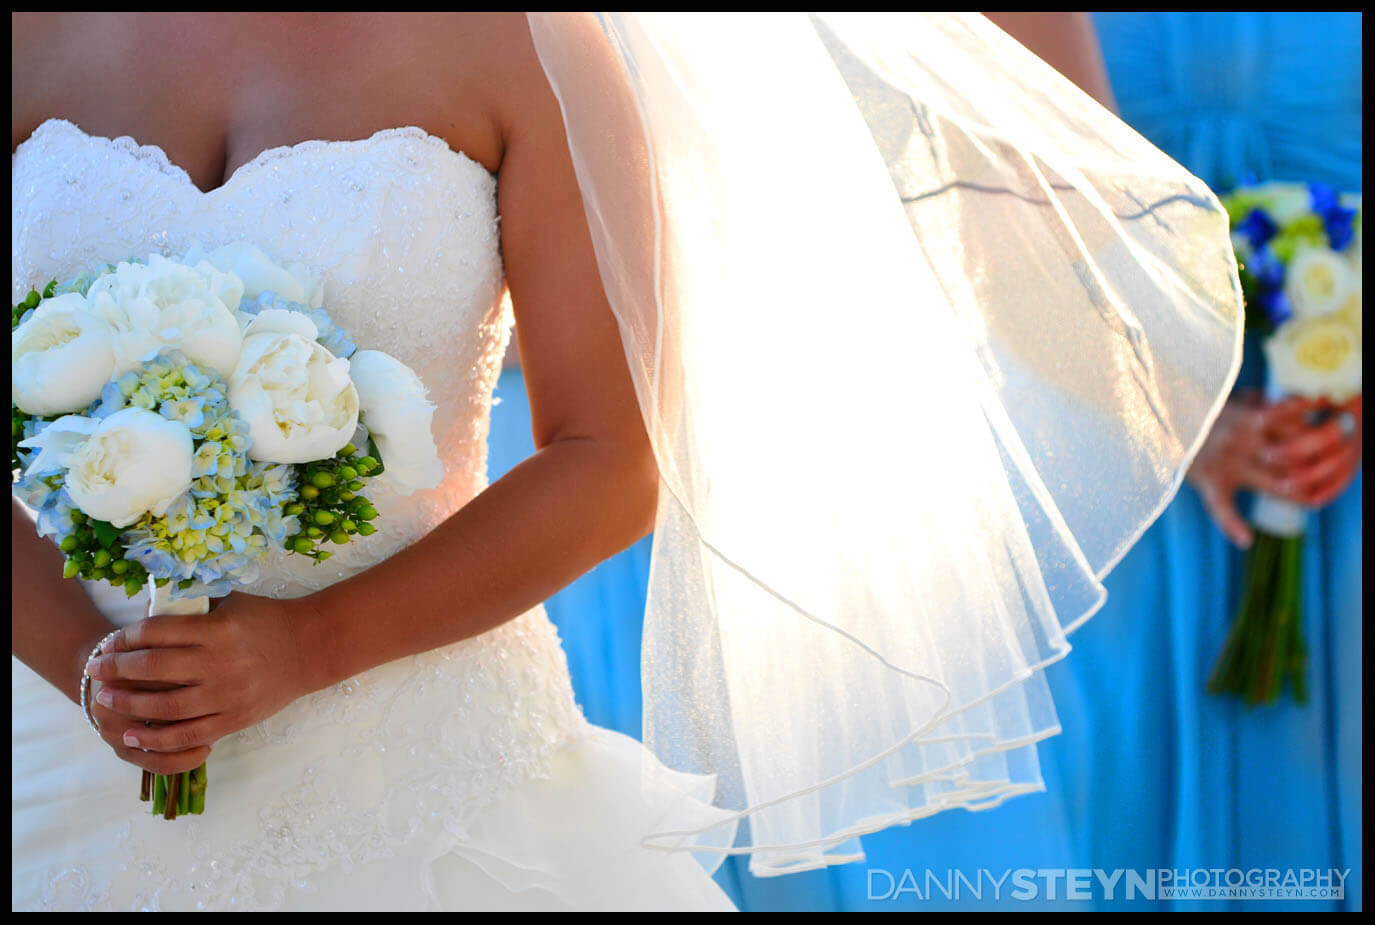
point(53, 624)
point(589, 491)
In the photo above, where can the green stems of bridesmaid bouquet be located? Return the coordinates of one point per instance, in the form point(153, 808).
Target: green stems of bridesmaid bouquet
point(1265, 649)
point(175, 794)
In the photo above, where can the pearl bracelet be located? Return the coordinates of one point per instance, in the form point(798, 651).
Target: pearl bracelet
point(86, 681)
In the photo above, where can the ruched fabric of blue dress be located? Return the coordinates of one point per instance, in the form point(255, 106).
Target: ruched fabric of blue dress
point(1150, 772)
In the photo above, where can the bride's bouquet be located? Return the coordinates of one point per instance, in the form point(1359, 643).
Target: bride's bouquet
point(1299, 247)
point(176, 421)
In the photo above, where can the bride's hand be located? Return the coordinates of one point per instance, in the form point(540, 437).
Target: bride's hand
point(1272, 448)
point(228, 669)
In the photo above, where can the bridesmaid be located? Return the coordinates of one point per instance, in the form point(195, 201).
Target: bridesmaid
point(1174, 777)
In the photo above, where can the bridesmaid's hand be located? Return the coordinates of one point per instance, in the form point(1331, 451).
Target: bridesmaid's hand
point(225, 671)
point(1272, 448)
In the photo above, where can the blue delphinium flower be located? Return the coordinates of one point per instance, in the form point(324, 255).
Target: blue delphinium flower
point(1337, 219)
point(1258, 228)
point(1269, 273)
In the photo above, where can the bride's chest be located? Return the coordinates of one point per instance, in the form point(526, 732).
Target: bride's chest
point(403, 230)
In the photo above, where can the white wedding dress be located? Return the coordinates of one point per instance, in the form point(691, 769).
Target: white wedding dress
point(463, 778)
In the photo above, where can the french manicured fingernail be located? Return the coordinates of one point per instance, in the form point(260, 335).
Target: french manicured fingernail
point(130, 739)
point(108, 646)
point(93, 665)
point(105, 698)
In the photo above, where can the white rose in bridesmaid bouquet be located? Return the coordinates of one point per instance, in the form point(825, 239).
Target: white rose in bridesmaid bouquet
point(60, 358)
point(259, 273)
point(169, 304)
point(398, 414)
point(1284, 202)
point(134, 462)
point(1316, 358)
point(1318, 282)
point(295, 396)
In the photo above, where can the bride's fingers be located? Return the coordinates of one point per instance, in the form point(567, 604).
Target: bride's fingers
point(177, 737)
point(175, 666)
point(154, 632)
point(180, 703)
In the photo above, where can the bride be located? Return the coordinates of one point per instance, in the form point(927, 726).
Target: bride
point(405, 736)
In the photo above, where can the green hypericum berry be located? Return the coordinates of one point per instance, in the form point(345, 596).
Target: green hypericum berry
point(348, 450)
point(324, 518)
point(102, 558)
point(348, 473)
point(339, 537)
point(366, 529)
point(68, 544)
point(323, 554)
point(349, 526)
point(367, 464)
point(78, 517)
point(71, 569)
point(346, 496)
point(132, 586)
point(161, 582)
point(314, 532)
point(294, 509)
point(185, 583)
point(310, 492)
point(120, 567)
point(99, 574)
point(356, 485)
point(322, 480)
point(302, 545)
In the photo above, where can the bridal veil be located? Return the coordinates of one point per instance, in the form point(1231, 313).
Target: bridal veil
point(852, 599)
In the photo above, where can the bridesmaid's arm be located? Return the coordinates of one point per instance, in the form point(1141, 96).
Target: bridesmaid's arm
point(588, 492)
point(1065, 41)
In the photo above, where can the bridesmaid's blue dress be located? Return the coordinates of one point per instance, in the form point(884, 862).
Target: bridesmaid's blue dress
point(1150, 771)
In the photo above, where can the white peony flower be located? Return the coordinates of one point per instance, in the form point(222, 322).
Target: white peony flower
point(169, 304)
point(57, 442)
point(134, 462)
point(396, 411)
point(295, 282)
point(281, 321)
point(60, 358)
point(295, 396)
point(1317, 282)
point(1316, 358)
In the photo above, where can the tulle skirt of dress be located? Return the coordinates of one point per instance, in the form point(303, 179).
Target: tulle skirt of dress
point(373, 796)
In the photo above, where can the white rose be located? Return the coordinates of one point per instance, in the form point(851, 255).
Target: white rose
point(397, 413)
point(169, 304)
point(1316, 358)
point(260, 274)
point(1317, 282)
point(60, 358)
point(134, 462)
point(1284, 201)
point(295, 396)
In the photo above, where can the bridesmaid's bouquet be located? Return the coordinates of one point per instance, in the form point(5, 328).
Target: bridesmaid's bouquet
point(1299, 248)
point(176, 421)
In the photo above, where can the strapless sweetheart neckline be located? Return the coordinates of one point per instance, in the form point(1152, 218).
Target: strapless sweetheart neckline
point(148, 152)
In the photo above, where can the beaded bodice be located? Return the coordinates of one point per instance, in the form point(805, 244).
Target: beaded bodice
point(404, 233)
